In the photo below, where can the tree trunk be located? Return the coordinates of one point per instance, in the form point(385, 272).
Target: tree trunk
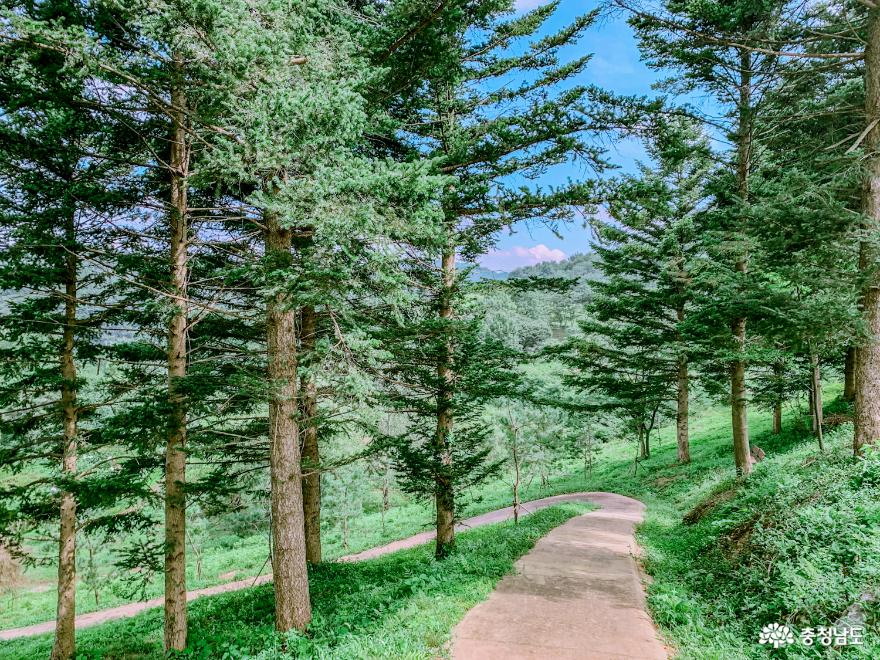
point(292, 606)
point(867, 363)
point(588, 453)
point(778, 370)
point(311, 456)
point(811, 399)
point(681, 413)
point(515, 453)
point(849, 374)
point(175, 456)
point(445, 494)
point(65, 621)
point(643, 451)
point(817, 400)
point(738, 392)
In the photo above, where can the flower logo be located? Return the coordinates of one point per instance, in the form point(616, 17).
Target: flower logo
point(776, 635)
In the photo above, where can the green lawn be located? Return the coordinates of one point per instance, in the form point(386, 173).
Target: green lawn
point(797, 544)
point(403, 605)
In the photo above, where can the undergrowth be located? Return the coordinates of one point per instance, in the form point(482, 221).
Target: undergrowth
point(795, 544)
point(799, 544)
point(403, 605)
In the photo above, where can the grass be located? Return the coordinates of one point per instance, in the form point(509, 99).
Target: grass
point(227, 557)
point(403, 605)
point(796, 544)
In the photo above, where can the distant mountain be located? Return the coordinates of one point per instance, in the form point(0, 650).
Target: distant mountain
point(479, 273)
point(577, 266)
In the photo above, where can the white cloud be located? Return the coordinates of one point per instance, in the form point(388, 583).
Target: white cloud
point(523, 5)
point(520, 255)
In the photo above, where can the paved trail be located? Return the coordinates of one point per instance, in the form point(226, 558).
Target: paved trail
point(577, 594)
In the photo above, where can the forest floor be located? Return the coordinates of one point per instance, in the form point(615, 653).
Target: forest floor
point(131, 609)
point(797, 544)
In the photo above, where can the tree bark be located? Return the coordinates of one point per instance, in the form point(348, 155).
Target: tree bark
point(777, 418)
point(292, 606)
point(681, 413)
point(311, 455)
point(175, 456)
point(738, 392)
point(867, 363)
point(811, 399)
point(64, 645)
point(643, 450)
point(778, 370)
point(444, 493)
point(849, 374)
point(515, 450)
point(817, 400)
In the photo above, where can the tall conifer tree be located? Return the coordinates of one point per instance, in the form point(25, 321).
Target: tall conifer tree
point(647, 254)
point(59, 180)
point(496, 139)
point(713, 48)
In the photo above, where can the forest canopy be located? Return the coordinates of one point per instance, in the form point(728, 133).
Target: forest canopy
point(246, 301)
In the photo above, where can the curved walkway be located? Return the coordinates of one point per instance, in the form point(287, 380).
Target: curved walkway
point(566, 585)
point(577, 594)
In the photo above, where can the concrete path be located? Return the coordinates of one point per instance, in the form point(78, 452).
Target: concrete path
point(608, 501)
point(577, 594)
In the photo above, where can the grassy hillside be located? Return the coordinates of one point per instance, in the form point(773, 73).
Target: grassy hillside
point(400, 606)
point(797, 544)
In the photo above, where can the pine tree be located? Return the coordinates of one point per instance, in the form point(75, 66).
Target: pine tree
point(179, 78)
point(325, 210)
point(494, 139)
point(647, 254)
point(58, 181)
point(806, 239)
point(712, 46)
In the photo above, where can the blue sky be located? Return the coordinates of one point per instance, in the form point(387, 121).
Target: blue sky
point(615, 66)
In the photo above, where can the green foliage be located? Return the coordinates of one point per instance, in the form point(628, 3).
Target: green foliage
point(493, 141)
point(537, 306)
point(796, 545)
point(390, 139)
point(402, 605)
point(632, 340)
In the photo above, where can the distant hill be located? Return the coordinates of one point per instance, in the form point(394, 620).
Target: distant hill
point(479, 273)
point(576, 266)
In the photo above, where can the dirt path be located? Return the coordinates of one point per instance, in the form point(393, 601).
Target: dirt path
point(613, 506)
point(577, 594)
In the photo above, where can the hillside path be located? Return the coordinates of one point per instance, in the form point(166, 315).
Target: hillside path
point(586, 564)
point(577, 594)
